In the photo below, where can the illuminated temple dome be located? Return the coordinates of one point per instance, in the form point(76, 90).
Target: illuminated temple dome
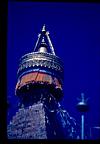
point(40, 89)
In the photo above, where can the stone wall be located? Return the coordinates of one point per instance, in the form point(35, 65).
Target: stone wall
point(28, 123)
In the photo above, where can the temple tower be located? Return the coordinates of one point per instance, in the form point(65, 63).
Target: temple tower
point(40, 88)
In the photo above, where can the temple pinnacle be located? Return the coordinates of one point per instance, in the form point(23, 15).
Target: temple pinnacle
point(43, 29)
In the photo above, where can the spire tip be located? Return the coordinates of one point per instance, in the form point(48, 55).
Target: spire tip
point(43, 29)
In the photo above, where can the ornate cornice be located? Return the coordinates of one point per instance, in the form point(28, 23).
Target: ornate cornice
point(37, 59)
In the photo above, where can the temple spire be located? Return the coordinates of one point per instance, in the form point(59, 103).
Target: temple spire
point(44, 34)
point(43, 28)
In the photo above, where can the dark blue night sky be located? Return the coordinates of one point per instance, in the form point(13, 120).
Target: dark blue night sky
point(75, 33)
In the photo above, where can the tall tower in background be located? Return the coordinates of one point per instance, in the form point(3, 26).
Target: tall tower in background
point(40, 89)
